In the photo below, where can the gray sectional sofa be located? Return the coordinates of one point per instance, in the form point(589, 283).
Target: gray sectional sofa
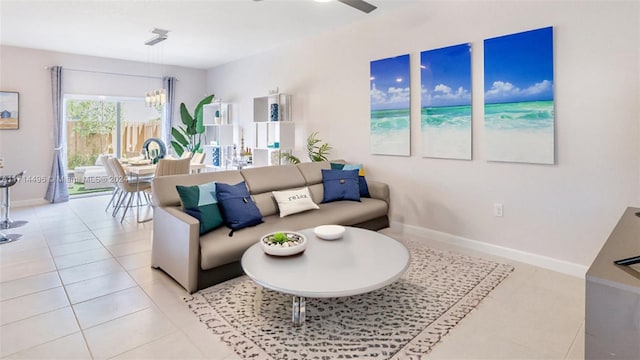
point(197, 262)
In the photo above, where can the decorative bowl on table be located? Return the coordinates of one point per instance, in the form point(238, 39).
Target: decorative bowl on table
point(329, 232)
point(283, 243)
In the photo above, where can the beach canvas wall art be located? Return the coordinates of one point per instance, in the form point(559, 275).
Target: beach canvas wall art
point(445, 114)
point(9, 110)
point(519, 116)
point(390, 130)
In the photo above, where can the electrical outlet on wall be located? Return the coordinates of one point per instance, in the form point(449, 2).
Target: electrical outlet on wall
point(498, 210)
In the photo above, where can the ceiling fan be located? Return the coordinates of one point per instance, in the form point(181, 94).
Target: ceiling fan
point(357, 4)
point(360, 5)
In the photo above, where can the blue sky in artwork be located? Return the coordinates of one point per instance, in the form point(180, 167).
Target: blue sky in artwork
point(389, 83)
point(519, 67)
point(445, 76)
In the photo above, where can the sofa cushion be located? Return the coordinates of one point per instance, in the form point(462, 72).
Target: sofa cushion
point(266, 203)
point(294, 201)
point(200, 202)
point(317, 193)
point(238, 209)
point(270, 178)
point(312, 171)
point(262, 180)
point(340, 185)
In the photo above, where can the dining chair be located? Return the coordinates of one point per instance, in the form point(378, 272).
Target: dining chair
point(172, 167)
point(198, 158)
point(128, 187)
point(198, 161)
point(113, 178)
point(167, 167)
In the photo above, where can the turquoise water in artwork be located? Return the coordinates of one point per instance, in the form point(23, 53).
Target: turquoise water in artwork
point(519, 116)
point(458, 117)
point(385, 121)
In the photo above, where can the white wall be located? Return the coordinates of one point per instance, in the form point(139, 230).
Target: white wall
point(31, 147)
point(564, 211)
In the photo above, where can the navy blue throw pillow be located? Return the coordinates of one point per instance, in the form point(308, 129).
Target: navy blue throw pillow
point(364, 187)
point(238, 209)
point(340, 185)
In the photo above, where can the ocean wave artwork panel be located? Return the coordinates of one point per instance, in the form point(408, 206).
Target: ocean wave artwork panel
point(445, 116)
point(530, 116)
point(519, 115)
point(520, 132)
point(390, 129)
point(446, 132)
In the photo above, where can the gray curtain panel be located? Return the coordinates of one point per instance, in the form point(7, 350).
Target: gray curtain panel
point(57, 189)
point(169, 86)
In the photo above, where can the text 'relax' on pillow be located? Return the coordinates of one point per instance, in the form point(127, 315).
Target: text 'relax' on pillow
point(238, 209)
point(340, 185)
point(294, 201)
point(201, 203)
point(362, 182)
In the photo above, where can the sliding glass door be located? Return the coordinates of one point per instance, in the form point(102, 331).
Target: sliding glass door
point(107, 125)
point(138, 123)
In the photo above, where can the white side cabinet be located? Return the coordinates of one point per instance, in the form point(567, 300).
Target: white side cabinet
point(274, 128)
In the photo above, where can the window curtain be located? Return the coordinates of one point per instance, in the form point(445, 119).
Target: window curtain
point(57, 189)
point(169, 86)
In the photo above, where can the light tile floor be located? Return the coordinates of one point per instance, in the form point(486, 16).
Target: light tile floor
point(78, 285)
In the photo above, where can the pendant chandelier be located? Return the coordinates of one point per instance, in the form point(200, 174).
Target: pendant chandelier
point(155, 97)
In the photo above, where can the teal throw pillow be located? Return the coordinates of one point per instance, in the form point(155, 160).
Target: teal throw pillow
point(201, 203)
point(340, 185)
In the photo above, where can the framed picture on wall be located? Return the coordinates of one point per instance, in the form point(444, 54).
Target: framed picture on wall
point(9, 119)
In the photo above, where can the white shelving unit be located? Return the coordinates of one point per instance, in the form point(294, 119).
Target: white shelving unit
point(274, 128)
point(217, 113)
point(217, 118)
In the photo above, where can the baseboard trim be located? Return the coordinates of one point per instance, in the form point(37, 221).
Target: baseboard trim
point(542, 261)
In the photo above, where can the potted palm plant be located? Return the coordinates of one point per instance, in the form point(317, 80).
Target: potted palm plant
point(188, 137)
point(316, 150)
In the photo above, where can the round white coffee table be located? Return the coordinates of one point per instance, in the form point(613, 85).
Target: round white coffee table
point(360, 262)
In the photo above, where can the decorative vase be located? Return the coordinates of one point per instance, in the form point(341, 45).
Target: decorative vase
point(215, 155)
point(274, 112)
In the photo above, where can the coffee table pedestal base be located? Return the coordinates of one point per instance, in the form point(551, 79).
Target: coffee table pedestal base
point(297, 314)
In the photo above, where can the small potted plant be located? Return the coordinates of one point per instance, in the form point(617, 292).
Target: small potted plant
point(283, 243)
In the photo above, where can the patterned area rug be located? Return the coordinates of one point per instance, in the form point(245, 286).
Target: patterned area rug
point(403, 320)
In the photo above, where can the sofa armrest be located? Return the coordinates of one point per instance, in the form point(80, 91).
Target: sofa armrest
point(176, 245)
point(378, 190)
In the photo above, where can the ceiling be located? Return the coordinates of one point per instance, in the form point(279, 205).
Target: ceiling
point(203, 34)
